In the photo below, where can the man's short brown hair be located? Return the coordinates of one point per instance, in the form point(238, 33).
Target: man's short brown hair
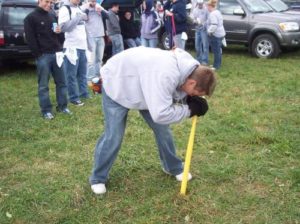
point(205, 78)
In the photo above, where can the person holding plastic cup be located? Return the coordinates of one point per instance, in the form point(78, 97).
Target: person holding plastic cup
point(42, 35)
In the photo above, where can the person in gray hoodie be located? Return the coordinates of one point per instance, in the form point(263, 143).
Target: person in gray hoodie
point(216, 32)
point(114, 29)
point(150, 24)
point(130, 81)
point(95, 34)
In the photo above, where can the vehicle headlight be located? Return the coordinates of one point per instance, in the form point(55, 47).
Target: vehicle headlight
point(289, 26)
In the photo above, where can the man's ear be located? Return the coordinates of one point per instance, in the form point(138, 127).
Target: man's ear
point(191, 82)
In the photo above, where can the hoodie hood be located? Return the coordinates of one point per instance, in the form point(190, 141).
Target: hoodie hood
point(186, 64)
point(149, 6)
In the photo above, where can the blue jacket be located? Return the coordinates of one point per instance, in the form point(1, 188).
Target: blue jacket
point(178, 9)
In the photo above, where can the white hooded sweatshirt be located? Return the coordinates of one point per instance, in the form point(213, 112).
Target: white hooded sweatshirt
point(149, 79)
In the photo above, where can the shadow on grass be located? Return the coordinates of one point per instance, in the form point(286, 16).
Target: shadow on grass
point(10, 66)
point(236, 50)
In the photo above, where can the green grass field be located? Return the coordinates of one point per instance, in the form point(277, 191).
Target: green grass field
point(245, 162)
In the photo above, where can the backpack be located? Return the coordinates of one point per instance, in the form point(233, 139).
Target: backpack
point(69, 10)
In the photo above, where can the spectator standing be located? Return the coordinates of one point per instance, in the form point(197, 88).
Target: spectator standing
point(160, 10)
point(72, 22)
point(216, 32)
point(43, 40)
point(177, 10)
point(200, 16)
point(130, 30)
point(114, 29)
point(95, 34)
point(150, 25)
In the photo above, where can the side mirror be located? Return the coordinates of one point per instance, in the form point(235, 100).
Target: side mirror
point(239, 12)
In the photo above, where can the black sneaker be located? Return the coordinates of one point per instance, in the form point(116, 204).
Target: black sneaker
point(65, 111)
point(48, 116)
point(77, 103)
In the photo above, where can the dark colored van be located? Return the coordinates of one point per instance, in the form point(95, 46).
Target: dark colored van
point(12, 37)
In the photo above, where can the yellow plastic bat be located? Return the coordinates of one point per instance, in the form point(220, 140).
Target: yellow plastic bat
point(188, 157)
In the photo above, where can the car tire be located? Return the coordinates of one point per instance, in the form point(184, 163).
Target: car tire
point(265, 46)
point(165, 41)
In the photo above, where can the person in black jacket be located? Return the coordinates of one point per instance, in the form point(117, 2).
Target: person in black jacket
point(176, 15)
point(130, 30)
point(42, 34)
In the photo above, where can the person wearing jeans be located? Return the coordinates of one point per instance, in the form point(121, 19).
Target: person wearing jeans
point(77, 84)
point(43, 41)
point(114, 29)
point(46, 65)
point(130, 30)
point(202, 46)
point(149, 42)
point(216, 48)
point(150, 24)
point(117, 43)
point(95, 58)
point(200, 16)
point(75, 46)
point(158, 95)
point(178, 41)
point(95, 36)
point(176, 12)
point(216, 32)
point(108, 147)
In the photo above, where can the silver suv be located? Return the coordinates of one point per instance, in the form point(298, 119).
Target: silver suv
point(254, 24)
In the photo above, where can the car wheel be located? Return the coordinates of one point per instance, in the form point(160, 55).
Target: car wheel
point(165, 40)
point(265, 46)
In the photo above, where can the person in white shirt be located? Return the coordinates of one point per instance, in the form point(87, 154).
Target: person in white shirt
point(72, 20)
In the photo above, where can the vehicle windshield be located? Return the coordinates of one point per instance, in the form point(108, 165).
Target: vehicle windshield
point(277, 5)
point(258, 6)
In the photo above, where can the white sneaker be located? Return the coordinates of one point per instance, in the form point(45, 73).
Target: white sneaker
point(98, 188)
point(179, 177)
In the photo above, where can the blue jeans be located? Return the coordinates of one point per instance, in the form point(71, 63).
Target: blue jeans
point(133, 42)
point(178, 41)
point(76, 76)
point(46, 65)
point(216, 48)
point(149, 42)
point(95, 57)
point(109, 143)
point(117, 43)
point(202, 46)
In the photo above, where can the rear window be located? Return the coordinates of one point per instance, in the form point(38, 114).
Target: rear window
point(15, 15)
